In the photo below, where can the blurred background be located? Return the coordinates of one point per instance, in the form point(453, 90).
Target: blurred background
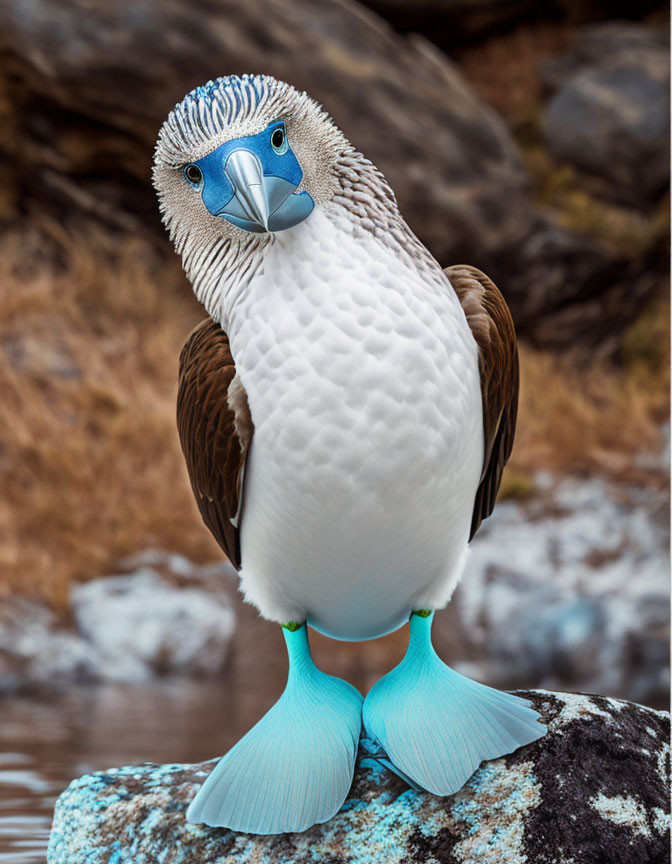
point(528, 139)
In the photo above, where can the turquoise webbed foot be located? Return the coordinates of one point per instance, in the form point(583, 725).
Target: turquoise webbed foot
point(435, 725)
point(294, 768)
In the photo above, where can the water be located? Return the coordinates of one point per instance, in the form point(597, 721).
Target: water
point(47, 741)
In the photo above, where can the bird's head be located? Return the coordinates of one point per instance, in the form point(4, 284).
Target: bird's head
point(248, 154)
point(241, 159)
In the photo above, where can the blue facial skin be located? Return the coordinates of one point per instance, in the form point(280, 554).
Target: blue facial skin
point(279, 175)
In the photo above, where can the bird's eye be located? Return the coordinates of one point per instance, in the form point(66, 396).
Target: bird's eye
point(193, 174)
point(279, 140)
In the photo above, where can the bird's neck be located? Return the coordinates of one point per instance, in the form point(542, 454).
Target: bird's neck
point(311, 273)
point(220, 271)
point(363, 215)
point(284, 258)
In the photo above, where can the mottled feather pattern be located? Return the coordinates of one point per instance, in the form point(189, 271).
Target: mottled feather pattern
point(492, 327)
point(362, 377)
point(352, 349)
point(215, 431)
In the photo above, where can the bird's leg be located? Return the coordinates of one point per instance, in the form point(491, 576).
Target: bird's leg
point(436, 725)
point(294, 768)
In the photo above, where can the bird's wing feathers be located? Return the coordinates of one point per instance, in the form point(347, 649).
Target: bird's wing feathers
point(492, 327)
point(215, 427)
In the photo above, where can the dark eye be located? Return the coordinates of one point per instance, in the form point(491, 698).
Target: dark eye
point(193, 174)
point(279, 140)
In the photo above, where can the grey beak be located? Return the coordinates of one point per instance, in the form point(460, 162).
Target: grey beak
point(246, 174)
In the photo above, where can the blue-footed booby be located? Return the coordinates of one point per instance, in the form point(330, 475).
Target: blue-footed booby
point(345, 413)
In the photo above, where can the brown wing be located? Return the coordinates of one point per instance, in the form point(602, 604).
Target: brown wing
point(215, 427)
point(492, 326)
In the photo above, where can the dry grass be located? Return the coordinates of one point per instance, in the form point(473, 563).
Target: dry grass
point(90, 465)
point(583, 419)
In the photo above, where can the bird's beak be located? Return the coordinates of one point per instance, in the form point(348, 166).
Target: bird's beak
point(253, 200)
point(249, 200)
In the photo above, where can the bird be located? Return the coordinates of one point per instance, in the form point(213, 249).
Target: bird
point(345, 412)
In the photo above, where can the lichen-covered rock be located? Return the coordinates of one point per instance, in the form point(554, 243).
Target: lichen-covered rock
point(594, 790)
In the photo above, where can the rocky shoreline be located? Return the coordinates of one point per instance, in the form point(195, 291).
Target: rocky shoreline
point(548, 599)
point(594, 789)
point(161, 615)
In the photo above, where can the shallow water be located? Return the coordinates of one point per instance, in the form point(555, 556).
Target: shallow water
point(47, 741)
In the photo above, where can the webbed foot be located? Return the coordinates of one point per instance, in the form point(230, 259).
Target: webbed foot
point(294, 768)
point(436, 725)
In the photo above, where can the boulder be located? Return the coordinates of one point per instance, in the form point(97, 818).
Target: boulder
point(91, 82)
point(610, 115)
point(96, 80)
point(594, 789)
point(449, 23)
point(161, 615)
point(35, 649)
point(549, 596)
point(141, 624)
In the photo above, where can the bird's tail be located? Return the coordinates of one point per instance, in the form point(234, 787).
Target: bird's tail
point(294, 768)
point(437, 726)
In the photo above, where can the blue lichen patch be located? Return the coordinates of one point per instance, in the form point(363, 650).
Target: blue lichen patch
point(492, 810)
point(565, 797)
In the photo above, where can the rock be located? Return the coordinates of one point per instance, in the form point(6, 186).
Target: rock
point(570, 590)
point(36, 650)
point(162, 616)
point(88, 129)
point(138, 625)
point(610, 115)
point(449, 23)
point(545, 269)
point(595, 789)
point(92, 85)
point(582, 11)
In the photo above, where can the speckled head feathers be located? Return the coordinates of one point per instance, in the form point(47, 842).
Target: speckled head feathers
point(229, 107)
point(232, 107)
point(216, 254)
